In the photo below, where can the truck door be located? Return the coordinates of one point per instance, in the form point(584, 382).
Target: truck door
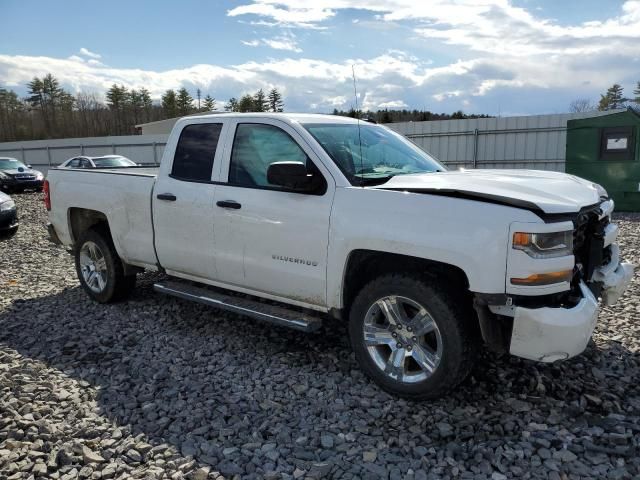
point(269, 239)
point(183, 203)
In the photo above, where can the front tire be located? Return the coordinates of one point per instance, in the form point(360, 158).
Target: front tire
point(99, 269)
point(411, 337)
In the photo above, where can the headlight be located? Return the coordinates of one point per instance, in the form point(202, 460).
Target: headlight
point(39, 176)
point(544, 245)
point(7, 206)
point(3, 176)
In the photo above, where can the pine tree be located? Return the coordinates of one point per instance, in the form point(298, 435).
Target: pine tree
point(613, 99)
point(232, 105)
point(209, 104)
point(118, 100)
point(11, 111)
point(135, 105)
point(636, 92)
point(146, 103)
point(260, 103)
point(45, 95)
point(169, 104)
point(275, 101)
point(184, 102)
point(246, 104)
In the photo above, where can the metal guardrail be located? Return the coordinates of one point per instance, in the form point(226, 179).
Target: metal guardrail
point(81, 148)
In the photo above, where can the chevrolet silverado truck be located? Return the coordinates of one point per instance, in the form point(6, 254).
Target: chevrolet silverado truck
point(301, 219)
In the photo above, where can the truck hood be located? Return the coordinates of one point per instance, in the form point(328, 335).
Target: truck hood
point(536, 190)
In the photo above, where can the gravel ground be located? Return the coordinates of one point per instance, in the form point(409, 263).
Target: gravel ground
point(160, 388)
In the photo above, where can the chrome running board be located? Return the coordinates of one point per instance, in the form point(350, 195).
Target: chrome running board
point(244, 306)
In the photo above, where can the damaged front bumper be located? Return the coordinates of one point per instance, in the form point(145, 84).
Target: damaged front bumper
point(548, 334)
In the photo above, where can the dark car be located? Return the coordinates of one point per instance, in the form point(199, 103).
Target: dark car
point(15, 176)
point(8, 216)
point(104, 161)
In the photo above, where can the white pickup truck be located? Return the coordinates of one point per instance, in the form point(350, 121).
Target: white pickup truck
point(300, 219)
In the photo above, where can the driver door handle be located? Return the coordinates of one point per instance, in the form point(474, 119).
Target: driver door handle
point(170, 197)
point(229, 204)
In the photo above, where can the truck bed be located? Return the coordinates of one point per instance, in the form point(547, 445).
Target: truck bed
point(122, 194)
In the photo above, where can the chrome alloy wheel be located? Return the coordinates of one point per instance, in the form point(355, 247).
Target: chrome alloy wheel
point(403, 339)
point(93, 267)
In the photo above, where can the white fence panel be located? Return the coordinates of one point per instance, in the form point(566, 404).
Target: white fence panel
point(533, 142)
point(43, 154)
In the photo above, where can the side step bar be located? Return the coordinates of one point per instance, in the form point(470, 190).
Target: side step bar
point(244, 306)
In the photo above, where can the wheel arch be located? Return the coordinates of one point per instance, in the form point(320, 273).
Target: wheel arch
point(82, 219)
point(363, 265)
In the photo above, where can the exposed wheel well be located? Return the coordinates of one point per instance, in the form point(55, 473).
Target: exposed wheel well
point(82, 219)
point(365, 265)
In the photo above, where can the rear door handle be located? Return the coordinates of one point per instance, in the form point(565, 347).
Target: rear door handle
point(166, 196)
point(229, 204)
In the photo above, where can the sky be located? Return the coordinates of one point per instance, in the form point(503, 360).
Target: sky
point(498, 57)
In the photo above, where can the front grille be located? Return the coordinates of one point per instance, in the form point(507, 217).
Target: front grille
point(588, 242)
point(24, 177)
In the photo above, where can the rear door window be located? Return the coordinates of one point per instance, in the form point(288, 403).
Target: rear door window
point(196, 149)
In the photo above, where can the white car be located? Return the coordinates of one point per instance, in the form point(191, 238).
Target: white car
point(331, 218)
point(104, 161)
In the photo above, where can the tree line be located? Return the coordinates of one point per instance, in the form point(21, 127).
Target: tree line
point(612, 99)
point(391, 116)
point(50, 111)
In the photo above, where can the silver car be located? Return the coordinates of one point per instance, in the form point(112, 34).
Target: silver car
point(104, 161)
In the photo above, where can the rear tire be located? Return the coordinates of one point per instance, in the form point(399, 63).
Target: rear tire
point(100, 269)
point(412, 337)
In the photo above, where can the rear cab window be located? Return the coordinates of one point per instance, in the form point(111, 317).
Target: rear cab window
point(195, 152)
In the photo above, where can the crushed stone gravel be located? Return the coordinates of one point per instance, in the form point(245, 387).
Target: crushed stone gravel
point(159, 388)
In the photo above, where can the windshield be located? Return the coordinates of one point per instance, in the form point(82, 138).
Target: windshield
point(113, 162)
point(371, 154)
point(11, 164)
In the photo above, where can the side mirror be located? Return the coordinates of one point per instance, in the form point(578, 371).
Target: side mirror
point(292, 175)
point(29, 166)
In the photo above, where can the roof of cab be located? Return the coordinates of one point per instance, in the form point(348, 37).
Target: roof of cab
point(287, 117)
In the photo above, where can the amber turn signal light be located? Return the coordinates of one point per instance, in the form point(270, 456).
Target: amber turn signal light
point(538, 279)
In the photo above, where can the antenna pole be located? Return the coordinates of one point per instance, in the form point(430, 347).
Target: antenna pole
point(355, 94)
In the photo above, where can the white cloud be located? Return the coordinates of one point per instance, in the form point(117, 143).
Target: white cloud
point(301, 17)
point(393, 104)
point(393, 79)
point(251, 43)
point(306, 83)
point(285, 42)
point(89, 53)
point(493, 26)
point(282, 43)
point(444, 95)
point(503, 45)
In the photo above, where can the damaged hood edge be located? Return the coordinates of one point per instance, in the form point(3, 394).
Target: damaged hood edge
point(541, 192)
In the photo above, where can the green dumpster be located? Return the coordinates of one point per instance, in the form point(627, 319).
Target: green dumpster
point(606, 150)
